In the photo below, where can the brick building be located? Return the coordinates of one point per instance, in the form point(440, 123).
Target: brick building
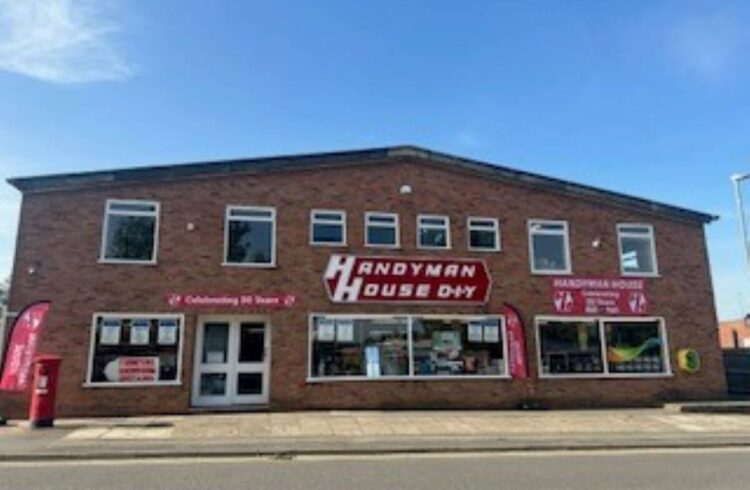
point(734, 334)
point(383, 278)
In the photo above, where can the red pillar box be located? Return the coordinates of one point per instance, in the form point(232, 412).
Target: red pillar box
point(44, 390)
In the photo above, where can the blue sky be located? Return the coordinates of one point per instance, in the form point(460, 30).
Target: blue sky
point(649, 98)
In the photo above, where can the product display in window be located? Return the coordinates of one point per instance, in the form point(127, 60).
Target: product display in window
point(634, 347)
point(447, 347)
point(570, 347)
point(360, 347)
point(135, 350)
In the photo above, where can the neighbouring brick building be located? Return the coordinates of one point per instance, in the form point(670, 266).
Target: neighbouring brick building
point(385, 278)
point(734, 334)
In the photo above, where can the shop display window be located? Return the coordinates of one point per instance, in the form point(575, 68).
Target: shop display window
point(570, 347)
point(130, 231)
point(381, 346)
point(484, 234)
point(637, 250)
point(250, 236)
point(361, 347)
point(450, 347)
point(548, 247)
point(634, 347)
point(433, 231)
point(327, 227)
point(602, 347)
point(381, 230)
point(135, 349)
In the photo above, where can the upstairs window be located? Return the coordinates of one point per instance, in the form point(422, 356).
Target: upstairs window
point(433, 231)
point(484, 234)
point(637, 250)
point(327, 227)
point(381, 230)
point(130, 232)
point(250, 236)
point(549, 249)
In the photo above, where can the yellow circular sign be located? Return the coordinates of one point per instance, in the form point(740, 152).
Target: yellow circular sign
point(689, 360)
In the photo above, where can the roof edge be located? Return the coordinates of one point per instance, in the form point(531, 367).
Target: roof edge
point(303, 160)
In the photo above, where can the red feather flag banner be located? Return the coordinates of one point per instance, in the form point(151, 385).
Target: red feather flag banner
point(21, 349)
point(516, 343)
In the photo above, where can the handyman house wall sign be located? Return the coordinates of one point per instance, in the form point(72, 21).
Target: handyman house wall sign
point(361, 279)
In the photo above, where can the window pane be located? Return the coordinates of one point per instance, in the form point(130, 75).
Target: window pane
point(570, 347)
point(432, 221)
point(250, 213)
point(117, 359)
point(378, 235)
point(481, 223)
point(549, 227)
point(634, 347)
point(381, 219)
point(252, 342)
point(213, 384)
point(549, 252)
point(328, 233)
point(482, 239)
point(360, 347)
point(636, 254)
point(250, 242)
point(433, 237)
point(250, 383)
point(215, 343)
point(139, 207)
point(322, 216)
point(444, 347)
point(130, 237)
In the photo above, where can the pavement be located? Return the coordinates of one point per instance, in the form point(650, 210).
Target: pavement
point(370, 432)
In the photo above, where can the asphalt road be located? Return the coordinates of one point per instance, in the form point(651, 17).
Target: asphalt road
point(664, 470)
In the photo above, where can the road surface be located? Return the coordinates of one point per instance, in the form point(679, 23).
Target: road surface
point(621, 470)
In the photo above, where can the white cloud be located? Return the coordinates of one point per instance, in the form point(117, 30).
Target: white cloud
point(60, 41)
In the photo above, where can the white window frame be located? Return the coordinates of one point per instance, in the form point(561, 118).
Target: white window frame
point(410, 321)
point(601, 320)
point(395, 225)
point(271, 219)
point(473, 227)
point(621, 234)
point(317, 221)
point(446, 227)
point(133, 384)
point(566, 242)
point(156, 213)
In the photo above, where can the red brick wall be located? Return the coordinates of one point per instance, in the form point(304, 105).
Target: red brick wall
point(734, 334)
point(60, 235)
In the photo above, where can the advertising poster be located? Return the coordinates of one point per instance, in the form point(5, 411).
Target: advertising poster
point(345, 330)
point(475, 331)
point(492, 332)
point(24, 337)
point(140, 332)
point(326, 330)
point(167, 332)
point(110, 332)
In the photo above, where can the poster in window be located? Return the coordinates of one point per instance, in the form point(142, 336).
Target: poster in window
point(475, 331)
point(326, 330)
point(167, 332)
point(110, 332)
point(345, 330)
point(492, 331)
point(139, 332)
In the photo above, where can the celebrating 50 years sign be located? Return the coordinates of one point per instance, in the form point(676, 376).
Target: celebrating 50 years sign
point(599, 296)
point(359, 279)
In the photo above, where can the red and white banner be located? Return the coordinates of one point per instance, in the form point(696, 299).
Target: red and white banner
point(19, 354)
point(516, 343)
point(599, 296)
point(234, 301)
point(361, 279)
point(133, 369)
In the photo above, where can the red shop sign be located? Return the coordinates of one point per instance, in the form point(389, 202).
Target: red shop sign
point(233, 301)
point(599, 296)
point(363, 279)
point(132, 369)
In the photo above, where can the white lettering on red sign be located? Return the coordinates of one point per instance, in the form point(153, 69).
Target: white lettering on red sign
point(352, 279)
point(238, 301)
point(599, 296)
